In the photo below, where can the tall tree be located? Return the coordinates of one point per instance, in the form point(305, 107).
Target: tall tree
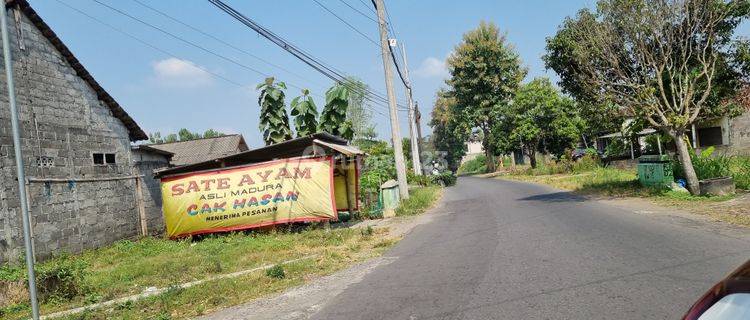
point(540, 120)
point(599, 115)
point(211, 133)
point(356, 112)
point(666, 62)
point(485, 72)
point(274, 122)
point(333, 119)
point(447, 136)
point(305, 114)
point(183, 135)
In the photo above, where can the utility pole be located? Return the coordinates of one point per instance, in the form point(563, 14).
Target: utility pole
point(19, 162)
point(416, 165)
point(398, 152)
point(418, 120)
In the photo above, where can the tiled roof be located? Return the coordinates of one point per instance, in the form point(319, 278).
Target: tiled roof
point(134, 131)
point(199, 150)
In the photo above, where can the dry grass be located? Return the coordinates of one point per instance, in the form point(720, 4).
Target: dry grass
point(609, 182)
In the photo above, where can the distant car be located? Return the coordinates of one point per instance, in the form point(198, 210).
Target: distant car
point(727, 300)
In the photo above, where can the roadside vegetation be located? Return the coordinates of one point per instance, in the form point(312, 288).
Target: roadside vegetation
point(589, 177)
point(131, 267)
point(420, 200)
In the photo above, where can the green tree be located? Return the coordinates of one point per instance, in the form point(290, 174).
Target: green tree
point(211, 133)
point(485, 73)
point(305, 114)
point(665, 62)
point(600, 115)
point(356, 112)
point(274, 121)
point(447, 136)
point(183, 135)
point(540, 120)
point(186, 135)
point(333, 119)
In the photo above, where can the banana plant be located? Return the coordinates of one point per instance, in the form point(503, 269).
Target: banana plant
point(274, 121)
point(333, 119)
point(305, 114)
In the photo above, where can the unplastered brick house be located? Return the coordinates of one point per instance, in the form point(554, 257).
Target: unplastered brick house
point(76, 144)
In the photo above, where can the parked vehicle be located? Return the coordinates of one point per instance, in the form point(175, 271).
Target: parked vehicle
point(727, 300)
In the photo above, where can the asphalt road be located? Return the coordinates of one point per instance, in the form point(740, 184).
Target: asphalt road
point(508, 250)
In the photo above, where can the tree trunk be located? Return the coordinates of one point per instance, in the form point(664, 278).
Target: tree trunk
point(489, 160)
point(532, 157)
point(489, 155)
point(683, 153)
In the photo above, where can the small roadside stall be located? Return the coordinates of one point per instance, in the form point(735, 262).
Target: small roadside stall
point(309, 179)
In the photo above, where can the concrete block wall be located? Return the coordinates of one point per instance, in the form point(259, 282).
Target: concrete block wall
point(62, 119)
point(151, 190)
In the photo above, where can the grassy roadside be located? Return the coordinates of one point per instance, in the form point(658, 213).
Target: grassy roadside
point(131, 267)
point(420, 200)
point(611, 182)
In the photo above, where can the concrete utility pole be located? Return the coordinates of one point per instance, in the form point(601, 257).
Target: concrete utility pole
point(19, 162)
point(398, 152)
point(418, 120)
point(416, 165)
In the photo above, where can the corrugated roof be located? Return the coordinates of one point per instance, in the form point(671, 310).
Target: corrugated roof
point(134, 131)
point(200, 150)
point(288, 149)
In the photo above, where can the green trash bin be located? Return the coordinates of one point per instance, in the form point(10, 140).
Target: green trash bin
point(390, 197)
point(655, 171)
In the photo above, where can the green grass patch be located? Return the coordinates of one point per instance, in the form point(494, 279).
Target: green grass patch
point(473, 166)
point(419, 201)
point(613, 182)
point(129, 267)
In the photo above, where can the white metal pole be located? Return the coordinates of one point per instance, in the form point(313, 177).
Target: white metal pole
point(19, 162)
point(398, 152)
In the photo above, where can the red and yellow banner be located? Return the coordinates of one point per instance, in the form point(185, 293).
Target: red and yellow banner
point(280, 191)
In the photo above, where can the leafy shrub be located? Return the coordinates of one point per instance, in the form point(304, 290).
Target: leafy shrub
point(276, 272)
point(377, 170)
point(564, 165)
point(740, 171)
point(476, 165)
point(62, 278)
point(446, 179)
point(419, 200)
point(706, 165)
point(616, 147)
point(421, 180)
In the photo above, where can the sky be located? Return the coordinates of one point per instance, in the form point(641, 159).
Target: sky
point(166, 84)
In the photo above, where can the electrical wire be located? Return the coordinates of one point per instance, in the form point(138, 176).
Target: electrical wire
point(348, 24)
point(300, 54)
point(359, 11)
point(250, 54)
point(172, 55)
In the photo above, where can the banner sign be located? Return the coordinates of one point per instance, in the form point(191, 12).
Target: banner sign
point(275, 192)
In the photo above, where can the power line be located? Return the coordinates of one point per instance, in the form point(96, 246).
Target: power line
point(367, 6)
point(359, 11)
point(300, 54)
point(164, 14)
point(146, 43)
point(347, 23)
point(390, 49)
point(171, 55)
